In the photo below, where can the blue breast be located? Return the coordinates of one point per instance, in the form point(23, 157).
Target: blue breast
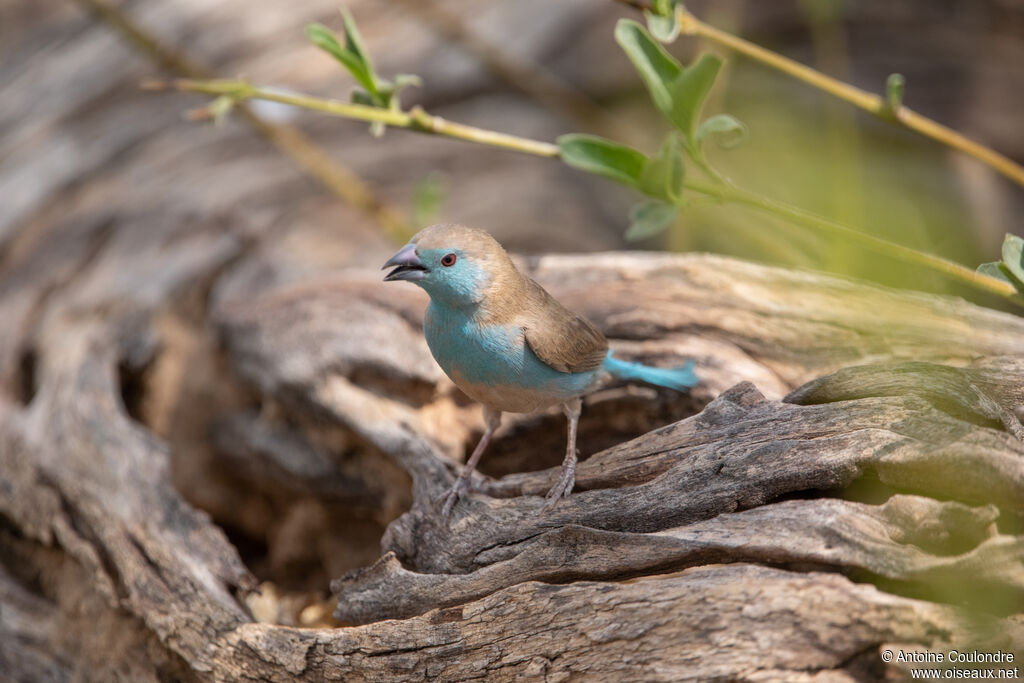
point(484, 359)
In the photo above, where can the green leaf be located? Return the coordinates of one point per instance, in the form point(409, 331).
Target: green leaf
point(894, 88)
point(689, 91)
point(602, 157)
point(663, 7)
point(662, 176)
point(677, 92)
point(220, 108)
point(407, 80)
point(375, 91)
point(1013, 255)
point(657, 68)
point(323, 38)
point(354, 44)
point(360, 96)
point(663, 22)
point(649, 219)
point(728, 131)
point(999, 271)
point(389, 92)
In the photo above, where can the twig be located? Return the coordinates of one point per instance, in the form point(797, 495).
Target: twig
point(878, 245)
point(338, 178)
point(869, 102)
point(415, 119)
point(420, 121)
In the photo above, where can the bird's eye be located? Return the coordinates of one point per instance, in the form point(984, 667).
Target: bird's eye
point(448, 260)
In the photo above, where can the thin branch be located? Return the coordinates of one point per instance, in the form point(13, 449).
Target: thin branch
point(878, 245)
point(336, 177)
point(420, 121)
point(415, 119)
point(869, 102)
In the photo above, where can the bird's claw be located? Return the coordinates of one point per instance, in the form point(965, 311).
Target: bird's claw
point(452, 495)
point(560, 490)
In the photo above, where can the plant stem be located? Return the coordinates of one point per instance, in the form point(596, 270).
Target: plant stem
point(878, 245)
point(415, 119)
point(420, 121)
point(869, 102)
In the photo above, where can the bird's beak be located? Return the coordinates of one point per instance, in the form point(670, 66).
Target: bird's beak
point(407, 265)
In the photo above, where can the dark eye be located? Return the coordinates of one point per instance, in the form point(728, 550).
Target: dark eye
point(448, 260)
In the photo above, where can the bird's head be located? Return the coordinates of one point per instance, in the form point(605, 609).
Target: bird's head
point(456, 265)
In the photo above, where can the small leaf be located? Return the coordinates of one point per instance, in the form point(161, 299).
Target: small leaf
point(389, 92)
point(220, 108)
point(354, 44)
point(407, 81)
point(1013, 256)
point(998, 270)
point(657, 68)
point(894, 87)
point(323, 38)
point(662, 176)
point(649, 219)
point(602, 157)
point(662, 8)
point(362, 97)
point(689, 91)
point(663, 23)
point(677, 92)
point(727, 130)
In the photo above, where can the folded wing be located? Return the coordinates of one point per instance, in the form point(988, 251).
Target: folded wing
point(565, 341)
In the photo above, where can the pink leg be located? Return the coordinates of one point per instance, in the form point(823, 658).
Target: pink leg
point(564, 486)
point(492, 419)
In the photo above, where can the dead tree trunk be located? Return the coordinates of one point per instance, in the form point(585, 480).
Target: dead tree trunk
point(765, 537)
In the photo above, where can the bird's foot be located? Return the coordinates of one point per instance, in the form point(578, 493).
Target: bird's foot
point(560, 490)
point(452, 495)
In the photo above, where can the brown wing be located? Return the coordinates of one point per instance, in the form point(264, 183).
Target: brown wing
point(565, 341)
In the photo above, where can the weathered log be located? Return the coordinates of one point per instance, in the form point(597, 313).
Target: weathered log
point(706, 490)
point(880, 541)
point(737, 622)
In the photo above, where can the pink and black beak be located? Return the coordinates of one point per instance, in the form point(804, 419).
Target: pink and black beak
point(407, 265)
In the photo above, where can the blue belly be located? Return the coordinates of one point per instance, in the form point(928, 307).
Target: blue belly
point(495, 365)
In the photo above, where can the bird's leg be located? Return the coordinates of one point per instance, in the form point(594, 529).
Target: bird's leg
point(565, 482)
point(492, 418)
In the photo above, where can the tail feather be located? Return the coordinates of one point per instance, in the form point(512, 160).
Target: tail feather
point(680, 378)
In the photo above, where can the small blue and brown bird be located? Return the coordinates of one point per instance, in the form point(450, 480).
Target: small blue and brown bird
point(506, 342)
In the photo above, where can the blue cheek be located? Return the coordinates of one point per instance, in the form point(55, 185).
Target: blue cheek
point(457, 285)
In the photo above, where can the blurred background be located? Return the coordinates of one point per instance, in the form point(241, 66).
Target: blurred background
point(79, 139)
point(93, 168)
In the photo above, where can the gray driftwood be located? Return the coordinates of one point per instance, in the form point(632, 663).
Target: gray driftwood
point(722, 544)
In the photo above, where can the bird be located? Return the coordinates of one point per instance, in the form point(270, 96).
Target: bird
point(507, 343)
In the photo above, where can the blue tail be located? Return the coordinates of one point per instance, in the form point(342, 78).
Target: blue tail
point(680, 378)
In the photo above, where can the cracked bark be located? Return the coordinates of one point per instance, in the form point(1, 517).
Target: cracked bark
point(745, 515)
